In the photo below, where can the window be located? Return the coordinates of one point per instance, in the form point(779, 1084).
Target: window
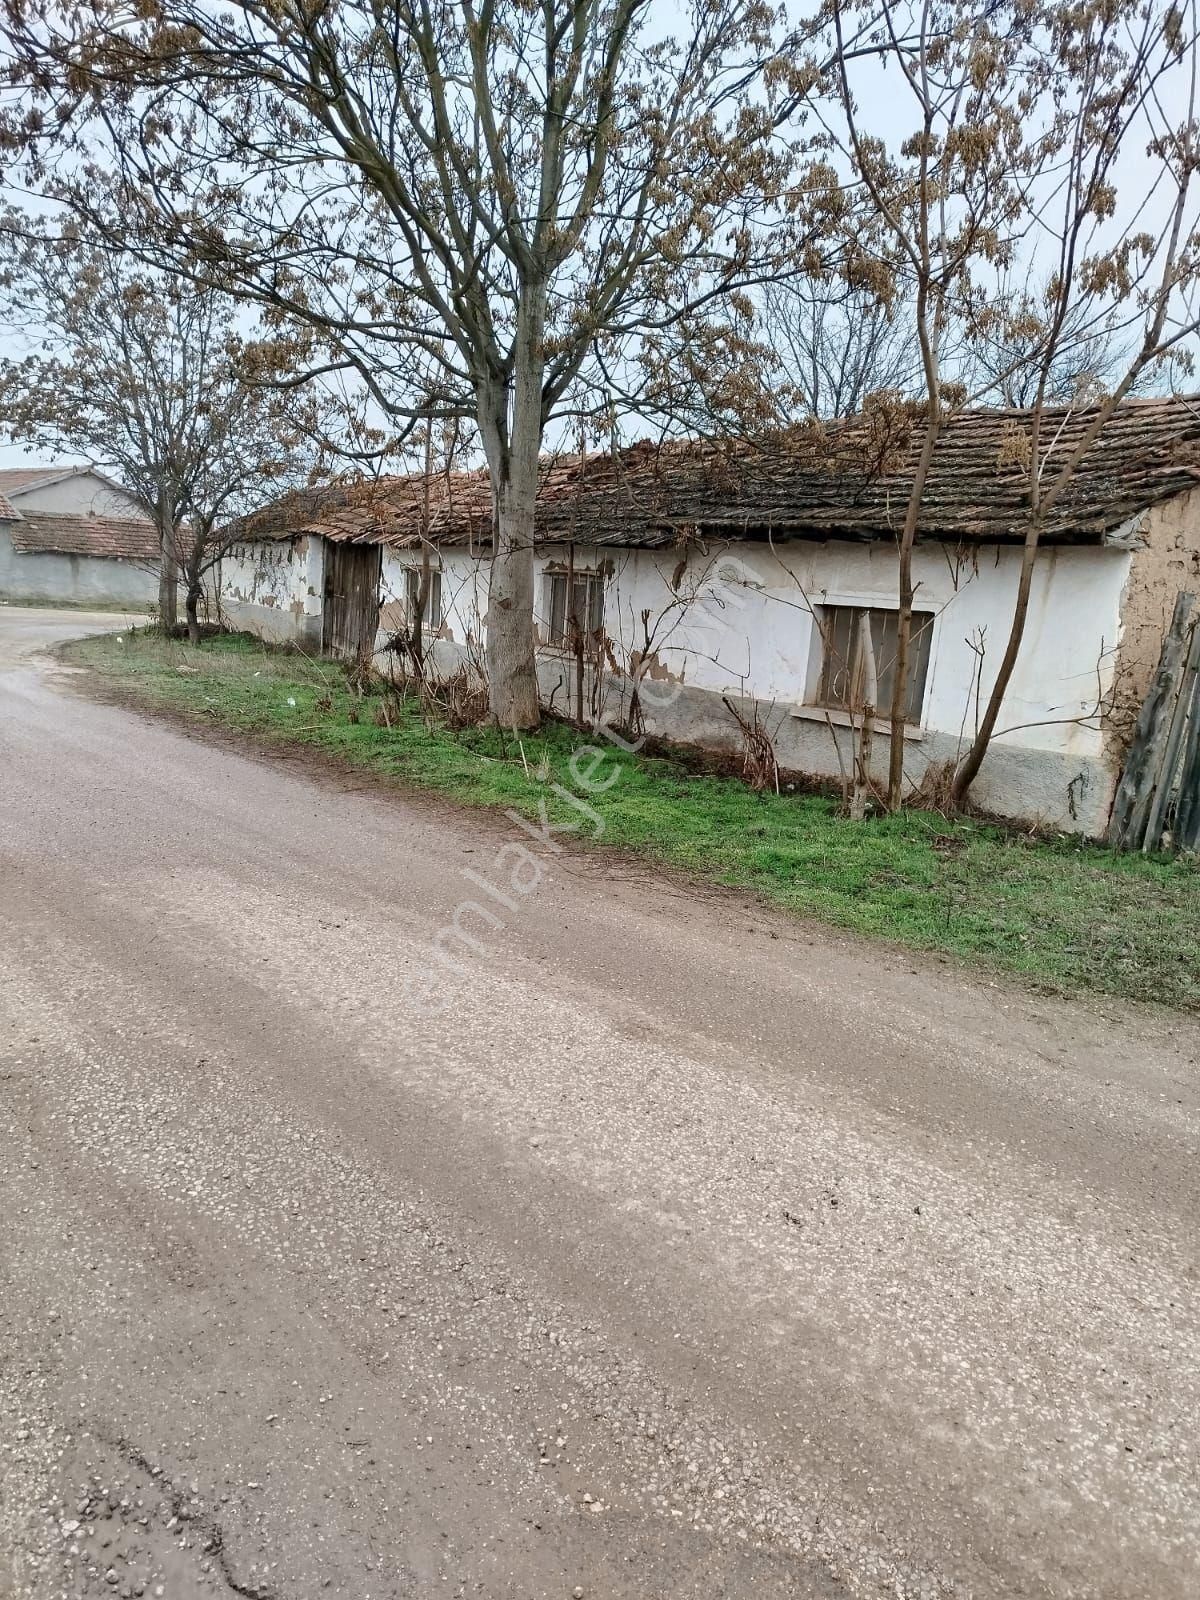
point(579, 616)
point(858, 660)
point(431, 621)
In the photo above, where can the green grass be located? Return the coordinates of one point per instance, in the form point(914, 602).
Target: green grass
point(1065, 916)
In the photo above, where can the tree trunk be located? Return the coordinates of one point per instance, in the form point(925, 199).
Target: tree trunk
point(862, 765)
point(416, 628)
point(511, 663)
point(511, 427)
point(168, 579)
point(416, 623)
point(898, 710)
point(968, 767)
point(870, 693)
point(194, 595)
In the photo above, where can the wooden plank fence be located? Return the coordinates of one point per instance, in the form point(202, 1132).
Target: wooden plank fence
point(1157, 806)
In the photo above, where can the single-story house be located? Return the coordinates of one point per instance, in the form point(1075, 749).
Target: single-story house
point(71, 534)
point(766, 576)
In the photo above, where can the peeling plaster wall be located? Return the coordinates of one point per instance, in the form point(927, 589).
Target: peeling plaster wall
point(274, 588)
point(747, 631)
point(751, 626)
point(464, 596)
point(1167, 561)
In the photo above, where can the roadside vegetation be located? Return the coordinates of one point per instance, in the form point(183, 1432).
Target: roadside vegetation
point(1067, 917)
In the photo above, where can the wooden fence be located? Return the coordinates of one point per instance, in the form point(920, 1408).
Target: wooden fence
point(1157, 806)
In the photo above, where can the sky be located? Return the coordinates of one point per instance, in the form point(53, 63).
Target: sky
point(890, 114)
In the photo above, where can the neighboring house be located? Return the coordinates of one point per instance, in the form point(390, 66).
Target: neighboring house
point(767, 577)
point(71, 534)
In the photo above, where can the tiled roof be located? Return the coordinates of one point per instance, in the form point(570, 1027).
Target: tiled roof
point(127, 538)
point(381, 511)
point(14, 479)
point(844, 481)
point(8, 512)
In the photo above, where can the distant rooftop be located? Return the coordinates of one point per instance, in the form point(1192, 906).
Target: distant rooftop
point(86, 534)
point(14, 479)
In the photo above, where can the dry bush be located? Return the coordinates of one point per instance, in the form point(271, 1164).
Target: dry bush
point(459, 701)
point(760, 765)
point(360, 671)
point(935, 792)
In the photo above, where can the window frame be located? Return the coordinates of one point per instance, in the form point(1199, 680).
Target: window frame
point(816, 707)
point(594, 580)
point(412, 588)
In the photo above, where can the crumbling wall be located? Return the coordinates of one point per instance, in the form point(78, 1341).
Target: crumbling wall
point(713, 619)
point(274, 588)
point(1165, 560)
point(736, 619)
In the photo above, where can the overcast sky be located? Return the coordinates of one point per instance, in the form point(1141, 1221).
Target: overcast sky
point(892, 117)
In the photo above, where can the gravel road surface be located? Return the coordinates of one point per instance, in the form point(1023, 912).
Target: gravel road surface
point(659, 1248)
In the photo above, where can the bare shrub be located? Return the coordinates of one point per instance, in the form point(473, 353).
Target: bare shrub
point(760, 765)
point(458, 701)
point(360, 671)
point(935, 791)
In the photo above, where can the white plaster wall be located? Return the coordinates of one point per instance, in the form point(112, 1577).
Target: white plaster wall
point(263, 573)
point(308, 583)
point(274, 587)
point(748, 627)
point(76, 496)
point(464, 592)
point(266, 573)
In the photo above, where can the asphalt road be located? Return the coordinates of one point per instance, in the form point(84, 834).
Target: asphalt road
point(671, 1250)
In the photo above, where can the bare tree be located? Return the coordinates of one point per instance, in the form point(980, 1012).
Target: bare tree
point(150, 378)
point(946, 192)
point(1006, 364)
point(834, 346)
point(1008, 168)
point(489, 211)
point(1132, 268)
